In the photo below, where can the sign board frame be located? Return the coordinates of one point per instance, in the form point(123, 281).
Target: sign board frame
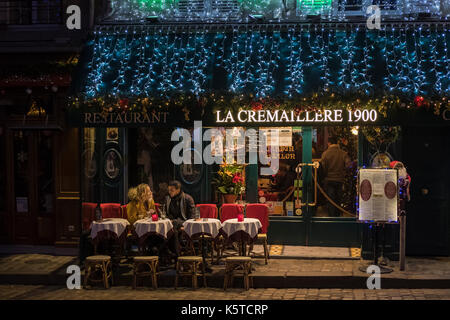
point(389, 177)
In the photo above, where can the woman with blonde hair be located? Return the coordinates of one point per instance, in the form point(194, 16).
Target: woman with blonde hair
point(141, 203)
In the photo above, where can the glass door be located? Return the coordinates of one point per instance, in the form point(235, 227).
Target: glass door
point(331, 188)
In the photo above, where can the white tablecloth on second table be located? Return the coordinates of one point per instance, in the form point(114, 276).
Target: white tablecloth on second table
point(208, 226)
point(161, 227)
point(116, 225)
point(249, 226)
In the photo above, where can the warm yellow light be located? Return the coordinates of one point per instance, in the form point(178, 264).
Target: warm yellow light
point(355, 130)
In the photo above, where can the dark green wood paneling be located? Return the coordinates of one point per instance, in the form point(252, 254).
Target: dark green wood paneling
point(334, 232)
point(287, 231)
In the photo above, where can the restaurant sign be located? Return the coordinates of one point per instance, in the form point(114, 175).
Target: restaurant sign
point(292, 117)
point(97, 118)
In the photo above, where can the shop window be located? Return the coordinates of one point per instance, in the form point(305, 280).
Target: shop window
point(337, 171)
point(279, 191)
point(150, 161)
point(89, 163)
point(31, 12)
point(45, 173)
point(21, 172)
point(284, 190)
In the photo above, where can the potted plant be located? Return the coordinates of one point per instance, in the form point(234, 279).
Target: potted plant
point(230, 181)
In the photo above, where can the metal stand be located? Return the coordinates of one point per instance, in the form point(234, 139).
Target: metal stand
point(402, 219)
point(375, 232)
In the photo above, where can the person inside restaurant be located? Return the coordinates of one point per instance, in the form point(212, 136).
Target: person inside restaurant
point(180, 207)
point(334, 162)
point(284, 181)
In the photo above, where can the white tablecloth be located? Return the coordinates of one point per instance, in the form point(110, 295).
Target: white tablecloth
point(210, 227)
point(161, 227)
point(249, 225)
point(115, 225)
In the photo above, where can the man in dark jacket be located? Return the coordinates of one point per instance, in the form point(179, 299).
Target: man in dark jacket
point(334, 161)
point(180, 207)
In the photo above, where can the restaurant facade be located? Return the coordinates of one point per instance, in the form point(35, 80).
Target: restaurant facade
point(309, 71)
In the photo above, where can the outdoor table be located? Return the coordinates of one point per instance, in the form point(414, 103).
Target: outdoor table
point(147, 227)
point(111, 228)
point(197, 229)
point(241, 232)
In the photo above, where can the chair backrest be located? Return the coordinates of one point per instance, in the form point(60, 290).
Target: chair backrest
point(208, 210)
point(259, 211)
point(230, 211)
point(111, 210)
point(87, 214)
point(123, 209)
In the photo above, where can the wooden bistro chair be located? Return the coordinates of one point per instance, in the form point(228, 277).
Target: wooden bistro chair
point(260, 211)
point(229, 211)
point(190, 266)
point(232, 265)
point(102, 263)
point(209, 210)
point(152, 262)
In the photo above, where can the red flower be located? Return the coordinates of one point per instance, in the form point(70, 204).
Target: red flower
point(237, 178)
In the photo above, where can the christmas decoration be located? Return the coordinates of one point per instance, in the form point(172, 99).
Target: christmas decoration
point(269, 60)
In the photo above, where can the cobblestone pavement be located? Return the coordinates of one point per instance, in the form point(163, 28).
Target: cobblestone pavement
point(416, 267)
point(29, 292)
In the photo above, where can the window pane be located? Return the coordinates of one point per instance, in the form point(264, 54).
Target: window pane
point(21, 176)
point(337, 171)
point(45, 173)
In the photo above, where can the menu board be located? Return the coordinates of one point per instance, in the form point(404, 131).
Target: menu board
point(378, 195)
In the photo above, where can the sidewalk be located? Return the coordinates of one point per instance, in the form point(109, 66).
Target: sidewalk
point(421, 272)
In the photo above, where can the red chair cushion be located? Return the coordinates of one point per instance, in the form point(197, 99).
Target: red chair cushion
point(111, 210)
point(207, 210)
point(87, 214)
point(230, 211)
point(259, 211)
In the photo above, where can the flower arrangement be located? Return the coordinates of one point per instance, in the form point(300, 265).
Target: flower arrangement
point(230, 179)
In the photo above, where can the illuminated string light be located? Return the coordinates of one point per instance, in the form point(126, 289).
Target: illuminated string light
point(156, 61)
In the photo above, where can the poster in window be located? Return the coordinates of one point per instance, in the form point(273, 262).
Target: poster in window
point(22, 204)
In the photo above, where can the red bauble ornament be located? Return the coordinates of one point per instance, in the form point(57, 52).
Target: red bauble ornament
point(419, 101)
point(257, 106)
point(123, 103)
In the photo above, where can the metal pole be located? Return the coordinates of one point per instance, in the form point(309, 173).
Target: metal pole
point(402, 242)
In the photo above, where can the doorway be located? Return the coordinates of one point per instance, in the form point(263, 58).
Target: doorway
point(318, 223)
point(426, 153)
point(31, 157)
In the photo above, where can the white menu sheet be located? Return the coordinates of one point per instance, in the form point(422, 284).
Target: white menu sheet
point(378, 193)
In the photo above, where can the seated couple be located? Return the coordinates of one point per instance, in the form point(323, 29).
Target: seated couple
point(179, 207)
